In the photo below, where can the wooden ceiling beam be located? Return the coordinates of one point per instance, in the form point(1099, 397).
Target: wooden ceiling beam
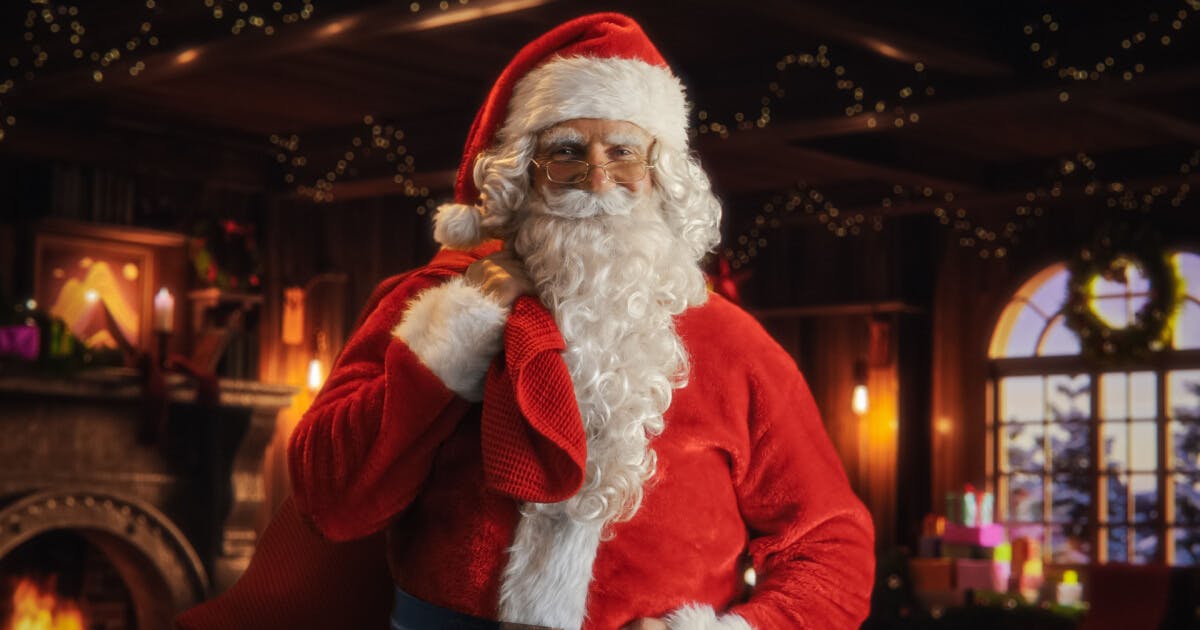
point(378, 21)
point(1166, 123)
point(992, 202)
point(1042, 98)
point(807, 18)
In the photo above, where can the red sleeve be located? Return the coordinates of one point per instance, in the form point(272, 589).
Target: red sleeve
point(362, 451)
point(811, 539)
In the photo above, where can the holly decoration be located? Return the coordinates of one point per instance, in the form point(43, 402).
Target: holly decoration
point(1109, 258)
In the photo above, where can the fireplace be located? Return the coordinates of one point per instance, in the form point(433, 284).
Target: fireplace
point(132, 516)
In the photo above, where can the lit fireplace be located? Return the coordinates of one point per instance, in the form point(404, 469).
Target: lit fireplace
point(37, 607)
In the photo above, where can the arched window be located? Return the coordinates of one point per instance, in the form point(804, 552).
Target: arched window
point(1102, 461)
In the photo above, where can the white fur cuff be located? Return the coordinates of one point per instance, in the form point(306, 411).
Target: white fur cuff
point(455, 330)
point(701, 617)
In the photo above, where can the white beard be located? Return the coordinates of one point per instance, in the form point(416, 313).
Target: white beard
point(614, 276)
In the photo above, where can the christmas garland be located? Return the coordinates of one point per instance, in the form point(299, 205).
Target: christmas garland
point(1150, 329)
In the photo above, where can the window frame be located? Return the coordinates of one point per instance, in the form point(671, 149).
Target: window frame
point(1160, 364)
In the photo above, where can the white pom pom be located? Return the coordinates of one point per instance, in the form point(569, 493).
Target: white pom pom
point(457, 226)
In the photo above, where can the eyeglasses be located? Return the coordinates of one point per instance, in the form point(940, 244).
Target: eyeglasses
point(575, 171)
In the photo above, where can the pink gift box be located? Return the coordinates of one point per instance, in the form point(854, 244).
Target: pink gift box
point(20, 341)
point(984, 535)
point(981, 575)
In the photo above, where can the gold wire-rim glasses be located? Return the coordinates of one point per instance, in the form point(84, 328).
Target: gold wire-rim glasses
point(582, 168)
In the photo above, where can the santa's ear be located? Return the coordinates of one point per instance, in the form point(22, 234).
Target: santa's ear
point(458, 226)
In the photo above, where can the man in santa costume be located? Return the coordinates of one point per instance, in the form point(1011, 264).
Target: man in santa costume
point(554, 422)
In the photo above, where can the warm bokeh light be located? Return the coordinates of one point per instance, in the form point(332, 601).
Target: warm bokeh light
point(130, 271)
point(316, 375)
point(860, 399)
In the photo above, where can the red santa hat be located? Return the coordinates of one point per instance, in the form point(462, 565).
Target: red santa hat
point(595, 66)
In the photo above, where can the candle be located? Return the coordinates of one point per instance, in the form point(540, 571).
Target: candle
point(164, 311)
point(1069, 591)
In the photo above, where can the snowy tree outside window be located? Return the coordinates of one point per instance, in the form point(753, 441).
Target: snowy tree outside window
point(1103, 461)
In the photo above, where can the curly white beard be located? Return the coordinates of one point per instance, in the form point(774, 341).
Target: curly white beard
point(614, 276)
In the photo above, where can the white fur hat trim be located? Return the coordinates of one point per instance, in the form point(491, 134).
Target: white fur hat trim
point(613, 88)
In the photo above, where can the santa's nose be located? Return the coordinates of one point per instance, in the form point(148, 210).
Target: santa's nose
point(597, 180)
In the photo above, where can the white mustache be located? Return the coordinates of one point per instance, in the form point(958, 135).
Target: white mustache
point(573, 203)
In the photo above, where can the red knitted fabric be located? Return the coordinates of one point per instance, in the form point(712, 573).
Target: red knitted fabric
point(597, 35)
point(534, 446)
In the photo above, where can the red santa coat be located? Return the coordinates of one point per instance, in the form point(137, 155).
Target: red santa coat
point(745, 472)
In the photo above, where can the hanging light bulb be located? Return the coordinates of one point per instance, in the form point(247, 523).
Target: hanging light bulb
point(860, 400)
point(316, 375)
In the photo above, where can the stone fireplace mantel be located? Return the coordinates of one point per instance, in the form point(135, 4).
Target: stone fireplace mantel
point(75, 455)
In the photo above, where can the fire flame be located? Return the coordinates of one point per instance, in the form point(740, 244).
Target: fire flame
point(36, 609)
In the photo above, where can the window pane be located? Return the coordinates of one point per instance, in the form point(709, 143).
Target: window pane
point(1021, 399)
point(1114, 396)
point(1145, 497)
point(1111, 311)
point(1143, 396)
point(1050, 296)
point(1117, 551)
point(1187, 499)
point(1186, 335)
point(1022, 339)
point(1069, 544)
point(1145, 544)
point(1187, 546)
point(1185, 446)
point(1188, 266)
point(1070, 446)
point(1025, 498)
point(1183, 394)
point(1187, 325)
point(1144, 438)
point(1069, 397)
point(1072, 496)
point(1059, 340)
point(1023, 449)
point(1116, 446)
point(1115, 488)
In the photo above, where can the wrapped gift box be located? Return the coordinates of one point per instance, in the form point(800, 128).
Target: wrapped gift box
point(1003, 552)
point(981, 575)
point(990, 535)
point(20, 341)
point(932, 574)
point(929, 546)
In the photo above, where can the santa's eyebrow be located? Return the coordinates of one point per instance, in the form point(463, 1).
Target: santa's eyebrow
point(625, 139)
point(556, 136)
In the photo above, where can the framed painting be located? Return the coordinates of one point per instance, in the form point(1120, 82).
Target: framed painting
point(77, 278)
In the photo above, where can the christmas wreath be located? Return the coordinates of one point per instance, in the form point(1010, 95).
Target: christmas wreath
point(1150, 329)
point(225, 254)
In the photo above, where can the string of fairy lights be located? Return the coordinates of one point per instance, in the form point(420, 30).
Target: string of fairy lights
point(48, 23)
point(1158, 29)
point(896, 111)
point(990, 242)
point(821, 61)
point(374, 141)
point(244, 16)
point(378, 140)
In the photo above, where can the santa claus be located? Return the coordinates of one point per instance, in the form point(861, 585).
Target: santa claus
point(554, 422)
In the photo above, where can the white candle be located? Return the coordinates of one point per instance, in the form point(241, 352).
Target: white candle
point(164, 311)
